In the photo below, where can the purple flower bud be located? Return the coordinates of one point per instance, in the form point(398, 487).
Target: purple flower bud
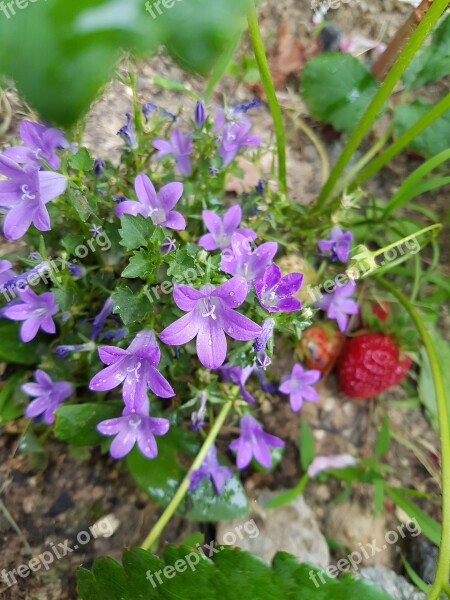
point(117, 334)
point(246, 106)
point(213, 171)
point(260, 187)
point(64, 351)
point(119, 199)
point(127, 134)
point(147, 109)
point(262, 361)
point(98, 322)
point(76, 270)
point(198, 417)
point(211, 469)
point(200, 114)
point(267, 331)
point(168, 245)
point(99, 165)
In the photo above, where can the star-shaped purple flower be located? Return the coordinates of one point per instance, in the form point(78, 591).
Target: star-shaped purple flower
point(135, 367)
point(339, 305)
point(299, 386)
point(210, 315)
point(239, 376)
point(6, 272)
point(35, 311)
point(245, 261)
point(26, 194)
point(180, 146)
point(211, 469)
point(40, 143)
point(221, 230)
point(338, 244)
point(131, 428)
point(48, 396)
point(254, 441)
point(156, 206)
point(234, 136)
point(275, 293)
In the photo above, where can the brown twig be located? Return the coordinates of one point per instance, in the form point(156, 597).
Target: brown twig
point(385, 61)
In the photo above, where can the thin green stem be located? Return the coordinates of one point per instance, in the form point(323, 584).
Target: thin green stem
point(163, 520)
point(269, 88)
point(443, 567)
point(408, 52)
point(400, 143)
point(436, 226)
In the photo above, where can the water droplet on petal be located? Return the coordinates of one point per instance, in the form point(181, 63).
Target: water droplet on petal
point(209, 342)
point(231, 293)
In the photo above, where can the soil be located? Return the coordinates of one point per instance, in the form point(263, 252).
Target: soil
point(68, 494)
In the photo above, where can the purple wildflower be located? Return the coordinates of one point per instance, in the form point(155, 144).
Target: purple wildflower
point(134, 427)
point(246, 262)
point(211, 469)
point(48, 396)
point(167, 246)
point(98, 322)
point(96, 230)
point(338, 244)
point(98, 167)
point(210, 314)
point(115, 334)
point(76, 270)
point(334, 461)
point(260, 187)
point(239, 376)
point(198, 417)
point(266, 335)
point(40, 143)
point(148, 108)
point(299, 386)
point(157, 206)
point(213, 171)
point(6, 273)
point(234, 136)
point(221, 230)
point(35, 311)
point(339, 305)
point(64, 351)
point(26, 194)
point(254, 441)
point(262, 361)
point(246, 106)
point(135, 367)
point(180, 146)
point(127, 134)
point(199, 114)
point(275, 293)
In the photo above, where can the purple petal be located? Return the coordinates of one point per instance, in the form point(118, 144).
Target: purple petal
point(134, 391)
point(21, 154)
point(42, 377)
point(163, 146)
point(272, 276)
point(159, 384)
point(240, 327)
point(109, 378)
point(181, 331)
point(17, 312)
point(296, 401)
point(169, 195)
point(29, 329)
point(33, 389)
point(233, 292)
point(289, 304)
point(184, 165)
point(145, 191)
point(110, 354)
point(211, 344)
point(310, 394)
point(146, 441)
point(17, 221)
point(9, 168)
point(111, 426)
point(37, 407)
point(31, 133)
point(232, 219)
point(212, 221)
point(174, 220)
point(159, 427)
point(41, 218)
point(48, 325)
point(123, 443)
point(208, 242)
point(129, 207)
point(262, 454)
point(51, 185)
point(186, 297)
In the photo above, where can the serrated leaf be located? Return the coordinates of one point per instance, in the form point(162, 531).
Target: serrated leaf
point(81, 161)
point(129, 306)
point(138, 266)
point(434, 139)
point(135, 231)
point(337, 88)
point(76, 423)
point(203, 504)
point(224, 573)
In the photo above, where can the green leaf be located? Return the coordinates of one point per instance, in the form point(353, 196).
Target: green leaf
point(129, 306)
point(306, 444)
point(76, 423)
point(433, 61)
point(135, 231)
point(203, 504)
point(12, 398)
point(223, 574)
point(429, 527)
point(138, 266)
point(85, 205)
point(81, 161)
point(434, 139)
point(384, 438)
point(13, 350)
point(338, 88)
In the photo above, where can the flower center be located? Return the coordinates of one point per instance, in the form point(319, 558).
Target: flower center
point(157, 215)
point(26, 193)
point(135, 370)
point(134, 421)
point(210, 309)
point(270, 297)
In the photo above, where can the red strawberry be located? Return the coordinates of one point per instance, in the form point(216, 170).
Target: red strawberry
point(320, 346)
point(369, 364)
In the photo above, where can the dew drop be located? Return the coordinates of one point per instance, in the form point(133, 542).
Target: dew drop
point(209, 342)
point(231, 293)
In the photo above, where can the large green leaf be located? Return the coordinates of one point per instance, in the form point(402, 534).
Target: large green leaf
point(12, 398)
point(338, 88)
point(13, 350)
point(60, 53)
point(76, 423)
point(435, 137)
point(433, 61)
point(229, 573)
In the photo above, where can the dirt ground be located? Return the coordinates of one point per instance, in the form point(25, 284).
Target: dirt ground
point(41, 507)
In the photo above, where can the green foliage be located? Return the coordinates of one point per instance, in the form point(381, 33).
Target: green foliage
point(81, 161)
point(306, 444)
point(76, 423)
point(434, 138)
point(338, 88)
point(15, 351)
point(12, 398)
point(73, 46)
point(429, 527)
point(229, 574)
point(136, 231)
point(130, 306)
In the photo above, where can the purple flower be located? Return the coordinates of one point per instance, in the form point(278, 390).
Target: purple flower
point(180, 146)
point(338, 245)
point(246, 106)
point(64, 351)
point(234, 136)
point(262, 361)
point(98, 167)
point(339, 305)
point(26, 194)
point(156, 206)
point(239, 376)
point(254, 441)
point(135, 367)
point(96, 230)
point(127, 134)
point(148, 108)
point(76, 270)
point(211, 314)
point(221, 230)
point(275, 292)
point(334, 461)
point(242, 260)
point(260, 187)
point(199, 114)
point(98, 322)
point(40, 143)
point(211, 469)
point(167, 246)
point(266, 334)
point(299, 386)
point(134, 427)
point(198, 417)
point(48, 396)
point(35, 311)
point(6, 273)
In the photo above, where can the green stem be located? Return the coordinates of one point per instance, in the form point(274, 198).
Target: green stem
point(163, 520)
point(266, 78)
point(381, 97)
point(436, 226)
point(443, 567)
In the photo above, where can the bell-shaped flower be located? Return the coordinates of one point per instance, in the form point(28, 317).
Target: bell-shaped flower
point(221, 230)
point(36, 312)
point(254, 441)
point(48, 396)
point(246, 261)
point(275, 293)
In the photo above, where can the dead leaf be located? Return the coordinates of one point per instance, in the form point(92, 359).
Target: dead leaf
point(287, 59)
point(238, 185)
